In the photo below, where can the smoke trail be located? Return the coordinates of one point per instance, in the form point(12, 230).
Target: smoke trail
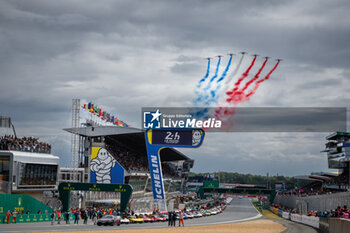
point(257, 84)
point(234, 72)
point(213, 96)
point(225, 71)
point(244, 75)
point(256, 76)
point(196, 91)
point(215, 75)
point(205, 76)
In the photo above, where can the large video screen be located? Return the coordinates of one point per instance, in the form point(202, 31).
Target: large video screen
point(30, 174)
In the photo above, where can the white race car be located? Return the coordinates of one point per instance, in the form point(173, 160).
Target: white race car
point(124, 221)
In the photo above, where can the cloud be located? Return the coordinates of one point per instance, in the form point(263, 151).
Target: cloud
point(125, 55)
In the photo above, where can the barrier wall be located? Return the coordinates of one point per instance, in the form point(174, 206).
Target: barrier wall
point(310, 221)
point(324, 225)
point(314, 203)
point(23, 218)
point(20, 203)
point(296, 218)
point(339, 225)
point(285, 215)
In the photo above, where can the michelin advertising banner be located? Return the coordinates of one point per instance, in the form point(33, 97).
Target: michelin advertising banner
point(156, 140)
point(104, 168)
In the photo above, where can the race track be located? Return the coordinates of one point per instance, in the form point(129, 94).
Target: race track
point(239, 210)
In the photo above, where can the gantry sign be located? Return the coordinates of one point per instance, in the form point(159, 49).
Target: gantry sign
point(158, 139)
point(204, 191)
point(65, 188)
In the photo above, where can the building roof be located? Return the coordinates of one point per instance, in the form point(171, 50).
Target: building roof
point(305, 178)
point(133, 138)
point(31, 157)
point(96, 131)
point(337, 135)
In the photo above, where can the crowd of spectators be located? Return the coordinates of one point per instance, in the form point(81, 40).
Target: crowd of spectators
point(134, 162)
point(129, 160)
point(316, 188)
point(27, 144)
point(339, 212)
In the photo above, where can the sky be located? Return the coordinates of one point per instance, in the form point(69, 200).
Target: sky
point(125, 55)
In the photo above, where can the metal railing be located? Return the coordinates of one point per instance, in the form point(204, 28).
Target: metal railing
point(324, 202)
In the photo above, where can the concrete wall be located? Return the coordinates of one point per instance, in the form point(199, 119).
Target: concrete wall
point(315, 203)
point(339, 226)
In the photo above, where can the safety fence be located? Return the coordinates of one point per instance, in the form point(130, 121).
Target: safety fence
point(324, 202)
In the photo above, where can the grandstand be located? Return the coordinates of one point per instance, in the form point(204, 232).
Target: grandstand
point(326, 190)
point(128, 148)
point(26, 164)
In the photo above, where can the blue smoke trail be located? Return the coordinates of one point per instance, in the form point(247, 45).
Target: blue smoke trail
point(225, 71)
point(196, 91)
point(215, 75)
point(203, 96)
point(212, 98)
point(205, 76)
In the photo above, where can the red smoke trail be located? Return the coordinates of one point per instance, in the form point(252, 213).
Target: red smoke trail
point(257, 84)
point(244, 75)
point(225, 115)
point(256, 76)
point(238, 96)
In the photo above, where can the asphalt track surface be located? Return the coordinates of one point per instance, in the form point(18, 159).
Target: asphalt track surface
point(239, 210)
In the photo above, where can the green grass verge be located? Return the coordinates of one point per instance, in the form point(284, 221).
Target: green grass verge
point(266, 213)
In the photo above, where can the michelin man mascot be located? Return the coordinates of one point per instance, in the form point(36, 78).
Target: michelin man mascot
point(102, 166)
point(196, 137)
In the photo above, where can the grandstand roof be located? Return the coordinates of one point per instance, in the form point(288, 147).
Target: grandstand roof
point(305, 178)
point(337, 135)
point(97, 131)
point(132, 138)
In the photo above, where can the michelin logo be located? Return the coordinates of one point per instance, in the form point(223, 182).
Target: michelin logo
point(151, 120)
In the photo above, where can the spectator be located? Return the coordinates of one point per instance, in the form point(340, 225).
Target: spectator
point(58, 217)
point(170, 219)
point(52, 217)
point(28, 144)
point(181, 218)
point(76, 217)
point(14, 216)
point(94, 217)
point(8, 215)
point(66, 215)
